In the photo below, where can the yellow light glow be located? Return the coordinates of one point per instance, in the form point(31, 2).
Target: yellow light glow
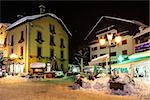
point(118, 39)
point(109, 37)
point(1, 40)
point(13, 56)
point(102, 41)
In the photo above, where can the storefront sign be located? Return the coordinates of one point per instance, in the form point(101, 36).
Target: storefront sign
point(37, 65)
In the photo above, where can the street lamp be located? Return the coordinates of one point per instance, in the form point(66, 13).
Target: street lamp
point(102, 42)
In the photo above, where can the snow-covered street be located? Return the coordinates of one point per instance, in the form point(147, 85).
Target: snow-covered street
point(137, 89)
point(17, 88)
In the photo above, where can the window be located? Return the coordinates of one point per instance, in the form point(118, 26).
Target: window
point(113, 54)
point(5, 42)
point(21, 37)
point(52, 40)
point(124, 42)
point(39, 49)
point(52, 29)
point(124, 52)
point(102, 54)
point(12, 50)
point(62, 67)
point(102, 47)
point(51, 53)
point(95, 48)
point(62, 54)
point(94, 56)
point(12, 40)
point(62, 43)
point(39, 35)
point(21, 51)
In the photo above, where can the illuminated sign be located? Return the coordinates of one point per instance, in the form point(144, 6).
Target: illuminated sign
point(145, 46)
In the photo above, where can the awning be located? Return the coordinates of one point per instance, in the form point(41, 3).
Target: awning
point(98, 59)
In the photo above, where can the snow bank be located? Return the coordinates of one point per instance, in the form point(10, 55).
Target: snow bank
point(100, 84)
point(131, 88)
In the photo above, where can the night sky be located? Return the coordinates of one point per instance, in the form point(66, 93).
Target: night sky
point(79, 17)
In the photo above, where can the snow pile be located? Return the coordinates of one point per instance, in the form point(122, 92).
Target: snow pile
point(141, 89)
point(13, 79)
point(131, 87)
point(100, 84)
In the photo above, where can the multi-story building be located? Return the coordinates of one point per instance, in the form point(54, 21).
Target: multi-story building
point(3, 34)
point(142, 40)
point(124, 48)
point(38, 38)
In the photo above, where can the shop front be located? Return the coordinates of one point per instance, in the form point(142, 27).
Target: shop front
point(15, 69)
point(138, 66)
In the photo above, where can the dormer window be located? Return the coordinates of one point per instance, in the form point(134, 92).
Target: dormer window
point(21, 37)
point(39, 37)
point(52, 43)
point(62, 43)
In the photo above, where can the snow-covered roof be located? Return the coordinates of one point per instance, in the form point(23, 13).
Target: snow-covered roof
point(146, 30)
point(33, 17)
point(6, 24)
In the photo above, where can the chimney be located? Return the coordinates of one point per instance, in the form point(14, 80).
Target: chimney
point(42, 9)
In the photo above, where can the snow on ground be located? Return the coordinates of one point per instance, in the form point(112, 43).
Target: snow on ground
point(138, 88)
point(12, 79)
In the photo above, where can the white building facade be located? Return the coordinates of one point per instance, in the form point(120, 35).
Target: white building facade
point(124, 48)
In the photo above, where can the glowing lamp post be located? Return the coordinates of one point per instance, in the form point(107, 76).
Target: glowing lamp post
point(12, 57)
point(102, 41)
